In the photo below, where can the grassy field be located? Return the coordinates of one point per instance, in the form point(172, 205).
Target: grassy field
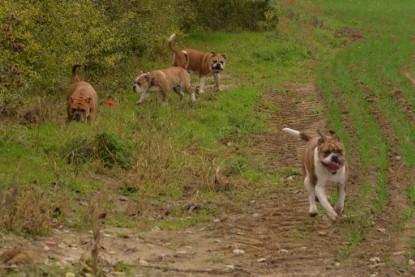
point(163, 159)
point(156, 155)
point(366, 82)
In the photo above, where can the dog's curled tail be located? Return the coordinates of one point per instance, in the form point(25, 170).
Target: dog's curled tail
point(186, 63)
point(170, 43)
point(296, 133)
point(75, 77)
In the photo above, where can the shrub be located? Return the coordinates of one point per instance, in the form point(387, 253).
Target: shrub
point(106, 147)
point(234, 15)
point(43, 39)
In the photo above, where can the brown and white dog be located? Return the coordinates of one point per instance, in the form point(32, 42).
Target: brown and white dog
point(324, 161)
point(176, 78)
point(204, 64)
point(81, 99)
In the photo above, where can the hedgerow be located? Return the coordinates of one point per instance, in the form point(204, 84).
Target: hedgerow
point(41, 40)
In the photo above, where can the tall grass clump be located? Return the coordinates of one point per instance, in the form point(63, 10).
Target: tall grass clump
point(46, 209)
point(106, 146)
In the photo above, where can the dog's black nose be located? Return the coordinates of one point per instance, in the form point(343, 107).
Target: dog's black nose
point(335, 159)
point(77, 117)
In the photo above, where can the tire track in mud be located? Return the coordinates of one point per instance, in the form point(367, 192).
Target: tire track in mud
point(293, 244)
point(299, 107)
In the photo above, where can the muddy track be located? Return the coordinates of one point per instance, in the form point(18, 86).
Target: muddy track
point(300, 107)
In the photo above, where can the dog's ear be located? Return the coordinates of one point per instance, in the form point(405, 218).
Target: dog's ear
point(223, 55)
point(89, 100)
point(334, 135)
point(148, 77)
point(213, 53)
point(151, 79)
point(322, 138)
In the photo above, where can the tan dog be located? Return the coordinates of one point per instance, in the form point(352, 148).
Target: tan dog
point(81, 99)
point(324, 161)
point(175, 78)
point(204, 64)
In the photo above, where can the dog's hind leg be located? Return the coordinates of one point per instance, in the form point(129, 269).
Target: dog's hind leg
point(311, 196)
point(179, 91)
point(322, 197)
point(188, 89)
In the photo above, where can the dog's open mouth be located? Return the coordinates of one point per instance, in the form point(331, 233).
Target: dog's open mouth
point(332, 167)
point(216, 71)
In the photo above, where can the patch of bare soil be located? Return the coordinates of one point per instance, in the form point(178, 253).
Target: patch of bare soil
point(299, 107)
point(346, 32)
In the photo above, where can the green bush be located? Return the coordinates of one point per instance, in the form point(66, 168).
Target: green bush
point(43, 39)
point(234, 15)
point(106, 147)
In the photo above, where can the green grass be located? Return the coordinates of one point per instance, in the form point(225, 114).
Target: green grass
point(362, 77)
point(161, 154)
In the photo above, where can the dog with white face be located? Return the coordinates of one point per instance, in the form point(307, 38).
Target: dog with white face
point(324, 162)
point(204, 64)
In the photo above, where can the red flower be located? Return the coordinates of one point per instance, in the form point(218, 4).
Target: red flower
point(175, 126)
point(111, 103)
point(311, 38)
point(228, 155)
point(317, 8)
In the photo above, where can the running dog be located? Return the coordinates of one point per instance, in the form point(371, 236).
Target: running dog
point(324, 161)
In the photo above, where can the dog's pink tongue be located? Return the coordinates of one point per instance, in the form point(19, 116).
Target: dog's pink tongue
point(334, 165)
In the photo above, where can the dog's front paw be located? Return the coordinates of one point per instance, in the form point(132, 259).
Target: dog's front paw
point(312, 211)
point(313, 214)
point(339, 210)
point(219, 89)
point(332, 216)
point(138, 103)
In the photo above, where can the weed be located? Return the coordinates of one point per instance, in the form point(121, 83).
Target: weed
point(122, 267)
point(106, 147)
point(299, 232)
point(182, 223)
point(121, 220)
point(216, 260)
